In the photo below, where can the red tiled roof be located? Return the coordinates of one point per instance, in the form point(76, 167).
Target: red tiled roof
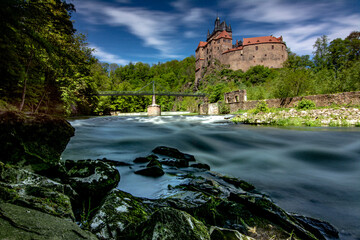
point(257, 40)
point(223, 34)
point(201, 44)
point(233, 49)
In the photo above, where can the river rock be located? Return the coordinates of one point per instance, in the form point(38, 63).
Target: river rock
point(91, 178)
point(320, 228)
point(31, 190)
point(17, 222)
point(154, 171)
point(217, 233)
point(172, 152)
point(169, 223)
point(34, 141)
point(200, 166)
point(118, 215)
point(145, 159)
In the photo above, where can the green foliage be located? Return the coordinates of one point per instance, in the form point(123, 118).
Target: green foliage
point(261, 107)
point(305, 104)
point(42, 61)
point(224, 108)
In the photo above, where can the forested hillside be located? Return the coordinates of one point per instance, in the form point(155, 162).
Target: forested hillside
point(46, 66)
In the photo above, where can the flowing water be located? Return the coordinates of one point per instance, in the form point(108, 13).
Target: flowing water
point(310, 171)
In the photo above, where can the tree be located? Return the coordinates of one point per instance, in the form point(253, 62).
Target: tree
point(321, 52)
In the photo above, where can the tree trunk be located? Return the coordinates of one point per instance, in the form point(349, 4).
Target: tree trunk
point(24, 89)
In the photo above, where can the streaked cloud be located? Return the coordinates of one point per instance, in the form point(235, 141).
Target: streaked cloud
point(104, 56)
point(154, 28)
point(299, 22)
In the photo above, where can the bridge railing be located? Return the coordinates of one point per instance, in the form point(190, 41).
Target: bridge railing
point(136, 93)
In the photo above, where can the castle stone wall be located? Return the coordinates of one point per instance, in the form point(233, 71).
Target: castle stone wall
point(270, 55)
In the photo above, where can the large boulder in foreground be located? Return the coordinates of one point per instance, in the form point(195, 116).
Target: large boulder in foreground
point(17, 223)
point(31, 190)
point(91, 178)
point(35, 141)
point(169, 223)
point(118, 215)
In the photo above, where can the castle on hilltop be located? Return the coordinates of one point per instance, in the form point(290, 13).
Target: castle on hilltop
point(268, 51)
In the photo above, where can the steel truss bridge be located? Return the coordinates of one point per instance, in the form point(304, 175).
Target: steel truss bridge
point(153, 93)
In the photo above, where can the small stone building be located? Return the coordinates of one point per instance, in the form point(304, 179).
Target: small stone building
point(268, 51)
point(235, 96)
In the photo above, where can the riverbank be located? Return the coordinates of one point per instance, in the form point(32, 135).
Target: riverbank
point(203, 204)
point(332, 117)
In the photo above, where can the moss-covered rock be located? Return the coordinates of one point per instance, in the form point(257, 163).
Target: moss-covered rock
point(169, 223)
point(217, 233)
point(34, 141)
point(118, 216)
point(31, 190)
point(91, 178)
point(18, 223)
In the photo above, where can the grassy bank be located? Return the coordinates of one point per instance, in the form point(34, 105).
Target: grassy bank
point(332, 117)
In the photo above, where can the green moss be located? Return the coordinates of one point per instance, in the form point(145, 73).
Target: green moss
point(8, 194)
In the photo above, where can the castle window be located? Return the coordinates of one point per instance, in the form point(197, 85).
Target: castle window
point(265, 55)
point(256, 48)
point(272, 46)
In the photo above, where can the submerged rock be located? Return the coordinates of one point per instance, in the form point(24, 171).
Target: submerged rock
point(200, 165)
point(154, 171)
point(169, 224)
point(34, 141)
point(172, 152)
point(145, 159)
point(18, 222)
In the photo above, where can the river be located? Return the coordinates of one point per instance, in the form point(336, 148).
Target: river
point(310, 171)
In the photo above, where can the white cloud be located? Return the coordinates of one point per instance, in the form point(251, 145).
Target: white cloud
point(107, 57)
point(154, 28)
point(299, 22)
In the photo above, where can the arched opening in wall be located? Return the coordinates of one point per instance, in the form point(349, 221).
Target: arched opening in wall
point(272, 46)
point(228, 99)
point(256, 48)
point(236, 98)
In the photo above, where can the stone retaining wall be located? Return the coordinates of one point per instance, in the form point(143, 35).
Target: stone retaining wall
point(323, 100)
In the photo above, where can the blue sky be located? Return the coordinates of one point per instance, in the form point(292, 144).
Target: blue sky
point(152, 31)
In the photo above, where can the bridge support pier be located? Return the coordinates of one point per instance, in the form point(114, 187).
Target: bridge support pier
point(154, 110)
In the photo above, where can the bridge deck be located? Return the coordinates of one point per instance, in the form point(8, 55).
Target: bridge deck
point(132, 93)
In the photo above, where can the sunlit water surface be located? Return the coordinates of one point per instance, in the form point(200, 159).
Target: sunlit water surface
point(311, 171)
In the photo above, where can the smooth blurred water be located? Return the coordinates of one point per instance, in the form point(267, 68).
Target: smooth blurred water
point(310, 171)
